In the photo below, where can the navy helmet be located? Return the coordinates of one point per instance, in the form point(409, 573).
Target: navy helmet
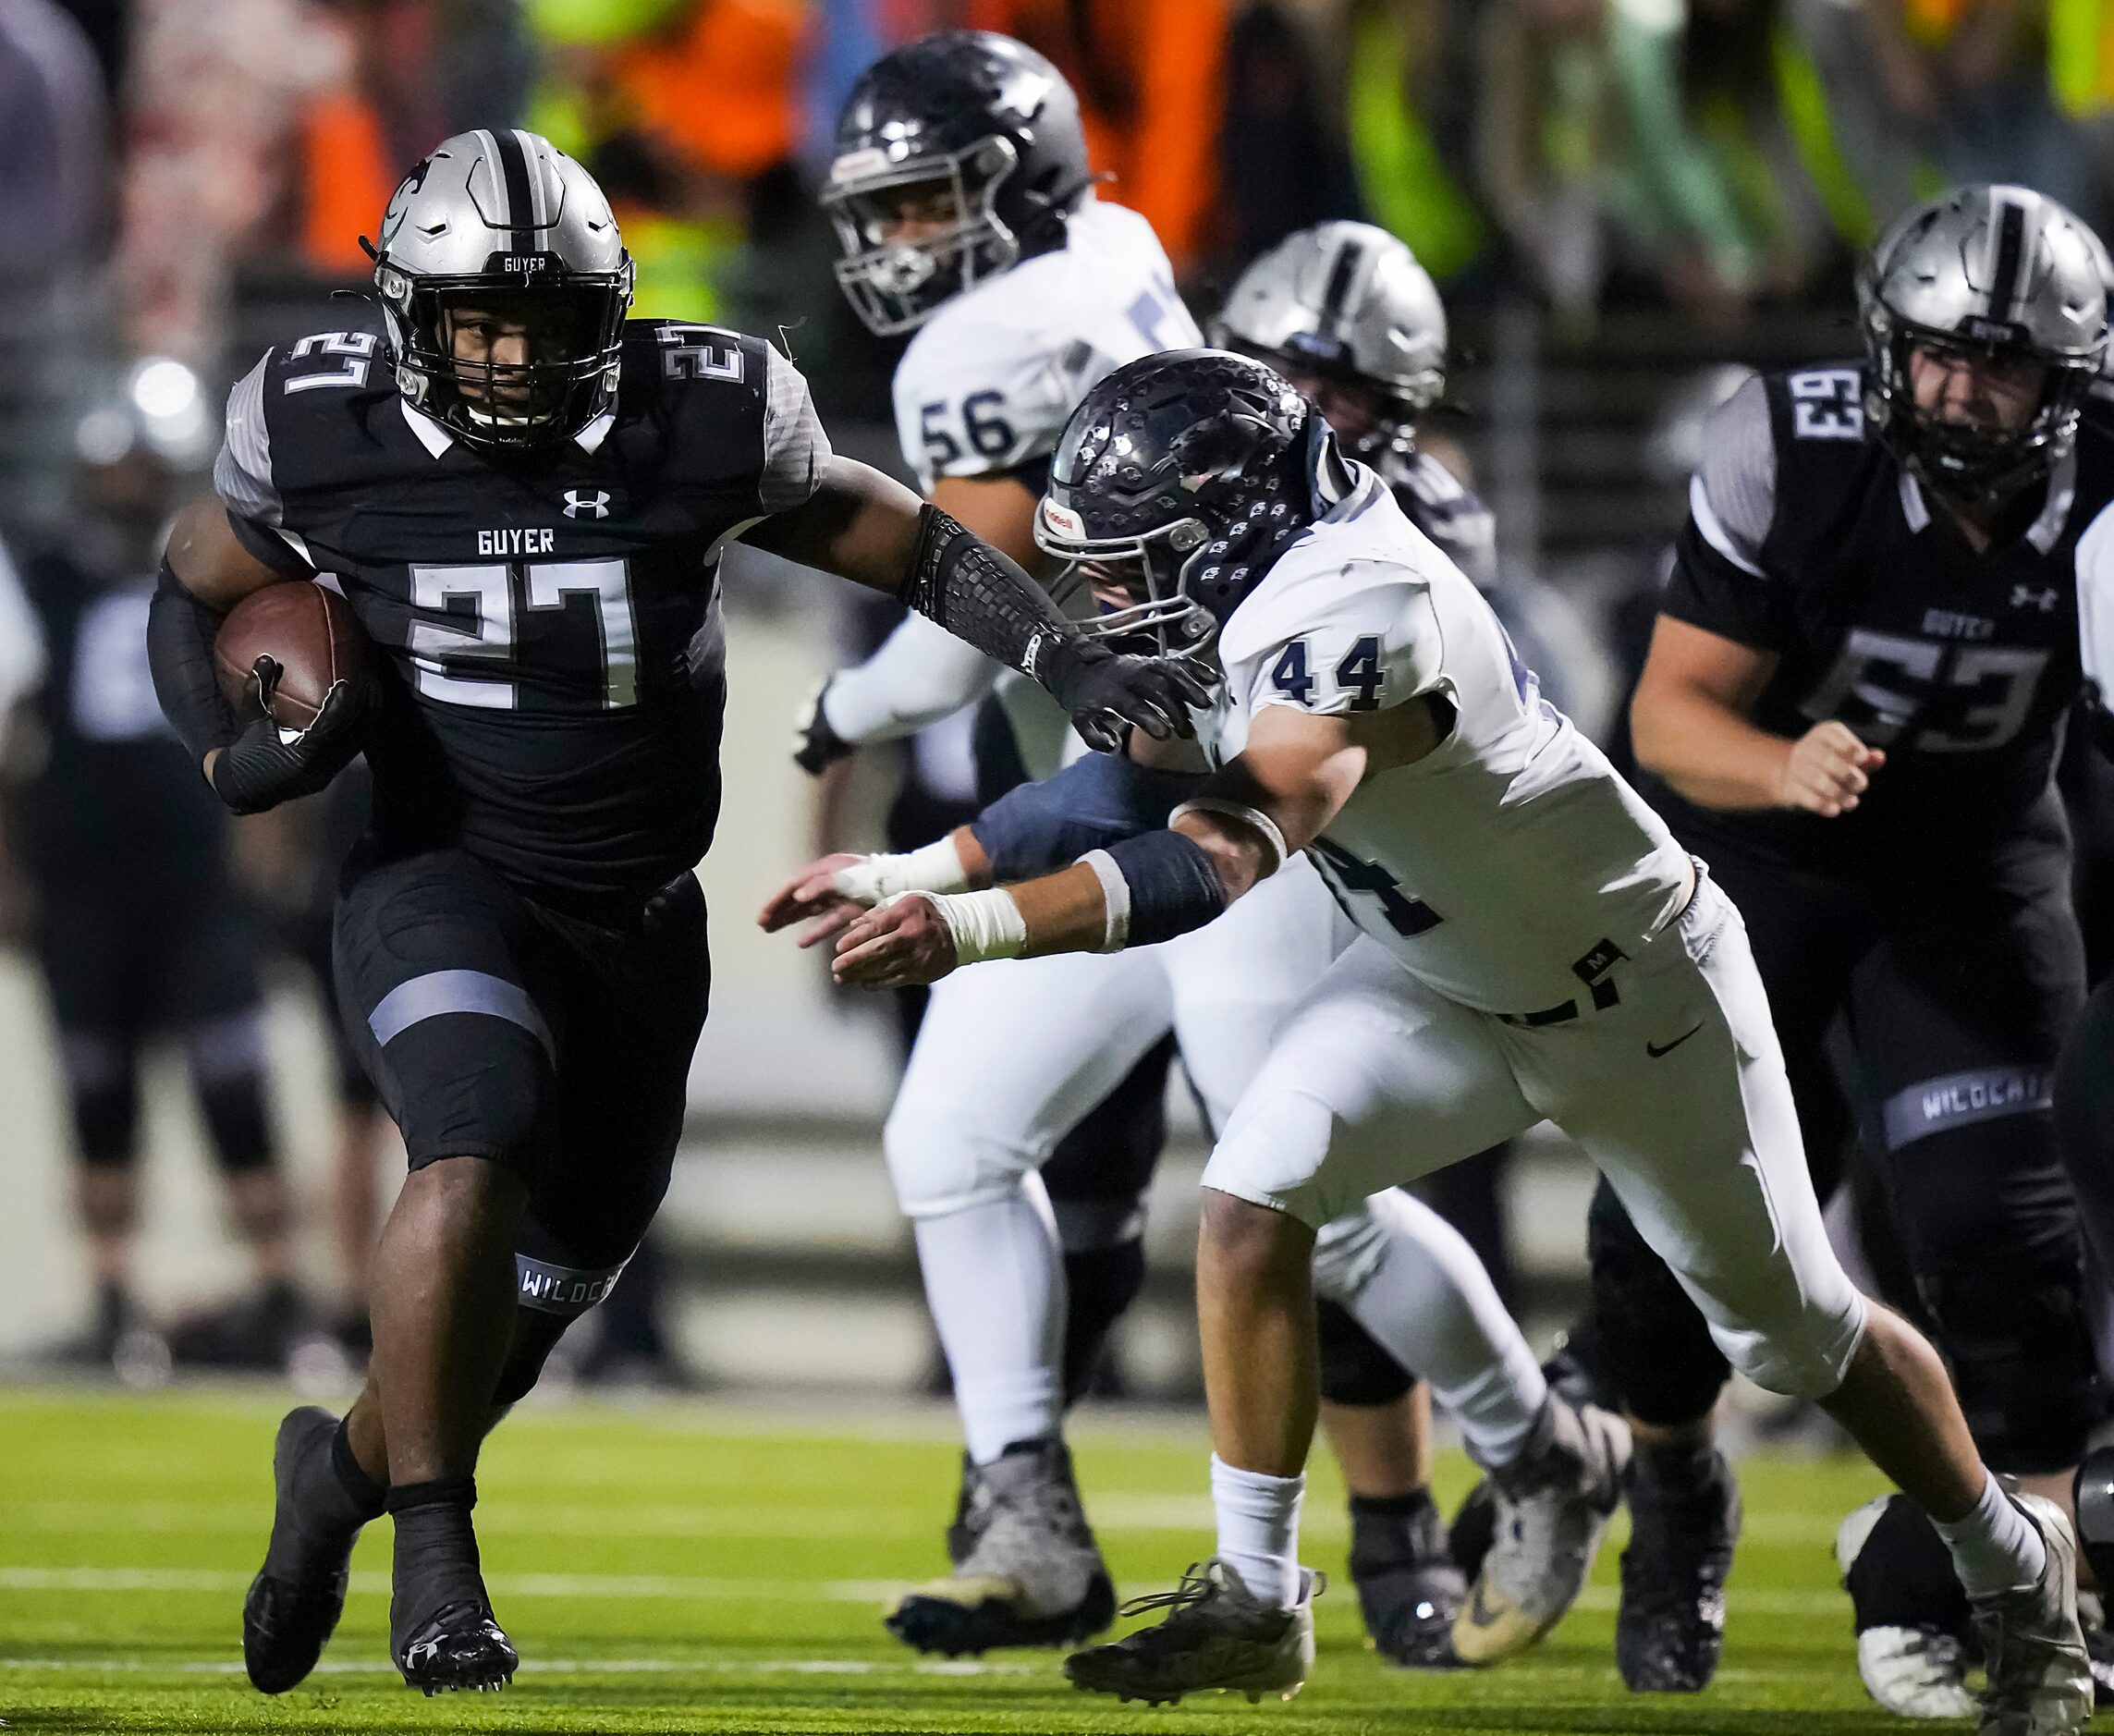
point(1179, 481)
point(976, 121)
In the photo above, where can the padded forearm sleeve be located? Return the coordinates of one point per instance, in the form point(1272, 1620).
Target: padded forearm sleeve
point(180, 631)
point(980, 596)
point(1093, 802)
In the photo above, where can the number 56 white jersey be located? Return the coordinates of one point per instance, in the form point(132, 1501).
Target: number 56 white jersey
point(989, 381)
point(1511, 867)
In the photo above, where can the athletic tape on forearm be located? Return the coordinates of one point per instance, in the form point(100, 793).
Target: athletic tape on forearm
point(1115, 899)
point(986, 925)
point(1171, 883)
point(1241, 811)
point(180, 631)
point(980, 596)
point(935, 868)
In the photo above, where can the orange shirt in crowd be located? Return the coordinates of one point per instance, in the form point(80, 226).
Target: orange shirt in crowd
point(1149, 76)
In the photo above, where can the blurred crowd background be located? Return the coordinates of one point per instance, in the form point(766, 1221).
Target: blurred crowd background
point(1621, 200)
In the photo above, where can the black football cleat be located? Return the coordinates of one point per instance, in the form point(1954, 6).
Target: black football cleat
point(1409, 1588)
point(294, 1602)
point(458, 1647)
point(1684, 1519)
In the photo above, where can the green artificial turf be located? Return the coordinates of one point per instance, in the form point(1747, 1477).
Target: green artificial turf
point(693, 1568)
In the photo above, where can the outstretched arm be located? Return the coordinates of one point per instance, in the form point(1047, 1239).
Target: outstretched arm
point(1296, 774)
point(871, 530)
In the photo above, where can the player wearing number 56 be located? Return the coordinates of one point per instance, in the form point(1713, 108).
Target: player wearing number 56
point(523, 498)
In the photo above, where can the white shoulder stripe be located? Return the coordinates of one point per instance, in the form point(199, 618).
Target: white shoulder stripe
point(1714, 531)
point(2096, 601)
point(243, 473)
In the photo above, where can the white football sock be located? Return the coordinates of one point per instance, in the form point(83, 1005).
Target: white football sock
point(1996, 1547)
point(995, 1280)
point(1259, 1529)
point(1425, 1296)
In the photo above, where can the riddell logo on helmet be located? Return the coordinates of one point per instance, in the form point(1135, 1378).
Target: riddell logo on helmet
point(1063, 520)
point(1990, 331)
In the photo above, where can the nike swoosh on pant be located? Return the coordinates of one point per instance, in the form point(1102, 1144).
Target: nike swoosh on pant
point(1656, 1050)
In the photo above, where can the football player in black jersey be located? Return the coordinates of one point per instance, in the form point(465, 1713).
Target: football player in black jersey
point(141, 928)
point(1853, 698)
point(524, 500)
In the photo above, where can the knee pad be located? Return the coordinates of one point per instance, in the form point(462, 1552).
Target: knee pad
point(467, 1085)
point(1659, 1354)
point(942, 1163)
point(1990, 1229)
point(107, 1122)
point(1354, 1369)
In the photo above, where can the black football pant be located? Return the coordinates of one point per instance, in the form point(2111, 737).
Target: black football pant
point(1956, 993)
point(497, 1027)
point(125, 959)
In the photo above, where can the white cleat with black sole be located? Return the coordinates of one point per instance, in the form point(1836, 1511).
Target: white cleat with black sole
point(1553, 1506)
point(2039, 1675)
point(1215, 1638)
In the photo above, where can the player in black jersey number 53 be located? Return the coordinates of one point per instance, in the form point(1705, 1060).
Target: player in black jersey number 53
point(524, 499)
point(1854, 694)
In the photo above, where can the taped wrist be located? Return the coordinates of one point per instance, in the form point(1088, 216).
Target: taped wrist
point(934, 868)
point(980, 596)
point(180, 631)
point(1157, 886)
point(985, 925)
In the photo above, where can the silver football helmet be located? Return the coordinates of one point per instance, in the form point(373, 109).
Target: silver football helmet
point(503, 224)
point(2000, 272)
point(1347, 301)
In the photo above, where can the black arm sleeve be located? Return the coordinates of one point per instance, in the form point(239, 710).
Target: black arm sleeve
point(980, 596)
point(180, 631)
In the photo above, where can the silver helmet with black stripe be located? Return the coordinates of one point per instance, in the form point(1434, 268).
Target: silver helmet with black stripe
point(1346, 302)
point(1996, 272)
point(505, 286)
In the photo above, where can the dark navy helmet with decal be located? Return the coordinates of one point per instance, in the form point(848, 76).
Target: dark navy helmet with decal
point(1997, 272)
point(976, 127)
point(503, 224)
point(1178, 482)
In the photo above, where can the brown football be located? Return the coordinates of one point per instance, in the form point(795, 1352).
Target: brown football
point(308, 631)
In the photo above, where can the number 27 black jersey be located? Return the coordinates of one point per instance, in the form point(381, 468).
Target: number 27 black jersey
point(551, 664)
point(1807, 539)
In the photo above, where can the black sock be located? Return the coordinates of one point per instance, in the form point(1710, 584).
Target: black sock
point(1392, 1506)
point(437, 1554)
point(370, 1497)
point(320, 1510)
point(1680, 1469)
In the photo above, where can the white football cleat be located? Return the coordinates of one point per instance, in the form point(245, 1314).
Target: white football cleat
point(1553, 1504)
point(2040, 1678)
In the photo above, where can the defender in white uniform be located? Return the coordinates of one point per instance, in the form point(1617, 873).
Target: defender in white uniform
point(1534, 944)
point(1009, 1059)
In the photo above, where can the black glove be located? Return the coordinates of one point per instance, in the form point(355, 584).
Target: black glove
point(815, 744)
point(1109, 691)
point(261, 767)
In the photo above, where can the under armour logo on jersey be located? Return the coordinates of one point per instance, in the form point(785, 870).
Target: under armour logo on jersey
point(2042, 600)
point(596, 505)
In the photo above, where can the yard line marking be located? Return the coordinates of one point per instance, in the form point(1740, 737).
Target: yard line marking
point(608, 1585)
point(560, 1666)
point(1756, 1602)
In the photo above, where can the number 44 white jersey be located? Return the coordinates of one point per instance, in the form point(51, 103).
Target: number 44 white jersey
point(1510, 867)
point(989, 381)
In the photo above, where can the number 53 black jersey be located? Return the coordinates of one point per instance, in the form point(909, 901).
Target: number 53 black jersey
point(1807, 539)
point(552, 662)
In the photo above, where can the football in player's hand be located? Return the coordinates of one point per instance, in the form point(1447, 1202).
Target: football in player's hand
point(308, 633)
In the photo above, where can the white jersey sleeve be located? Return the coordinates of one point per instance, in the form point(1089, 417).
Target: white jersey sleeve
point(2095, 605)
point(984, 403)
point(920, 674)
point(1362, 636)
